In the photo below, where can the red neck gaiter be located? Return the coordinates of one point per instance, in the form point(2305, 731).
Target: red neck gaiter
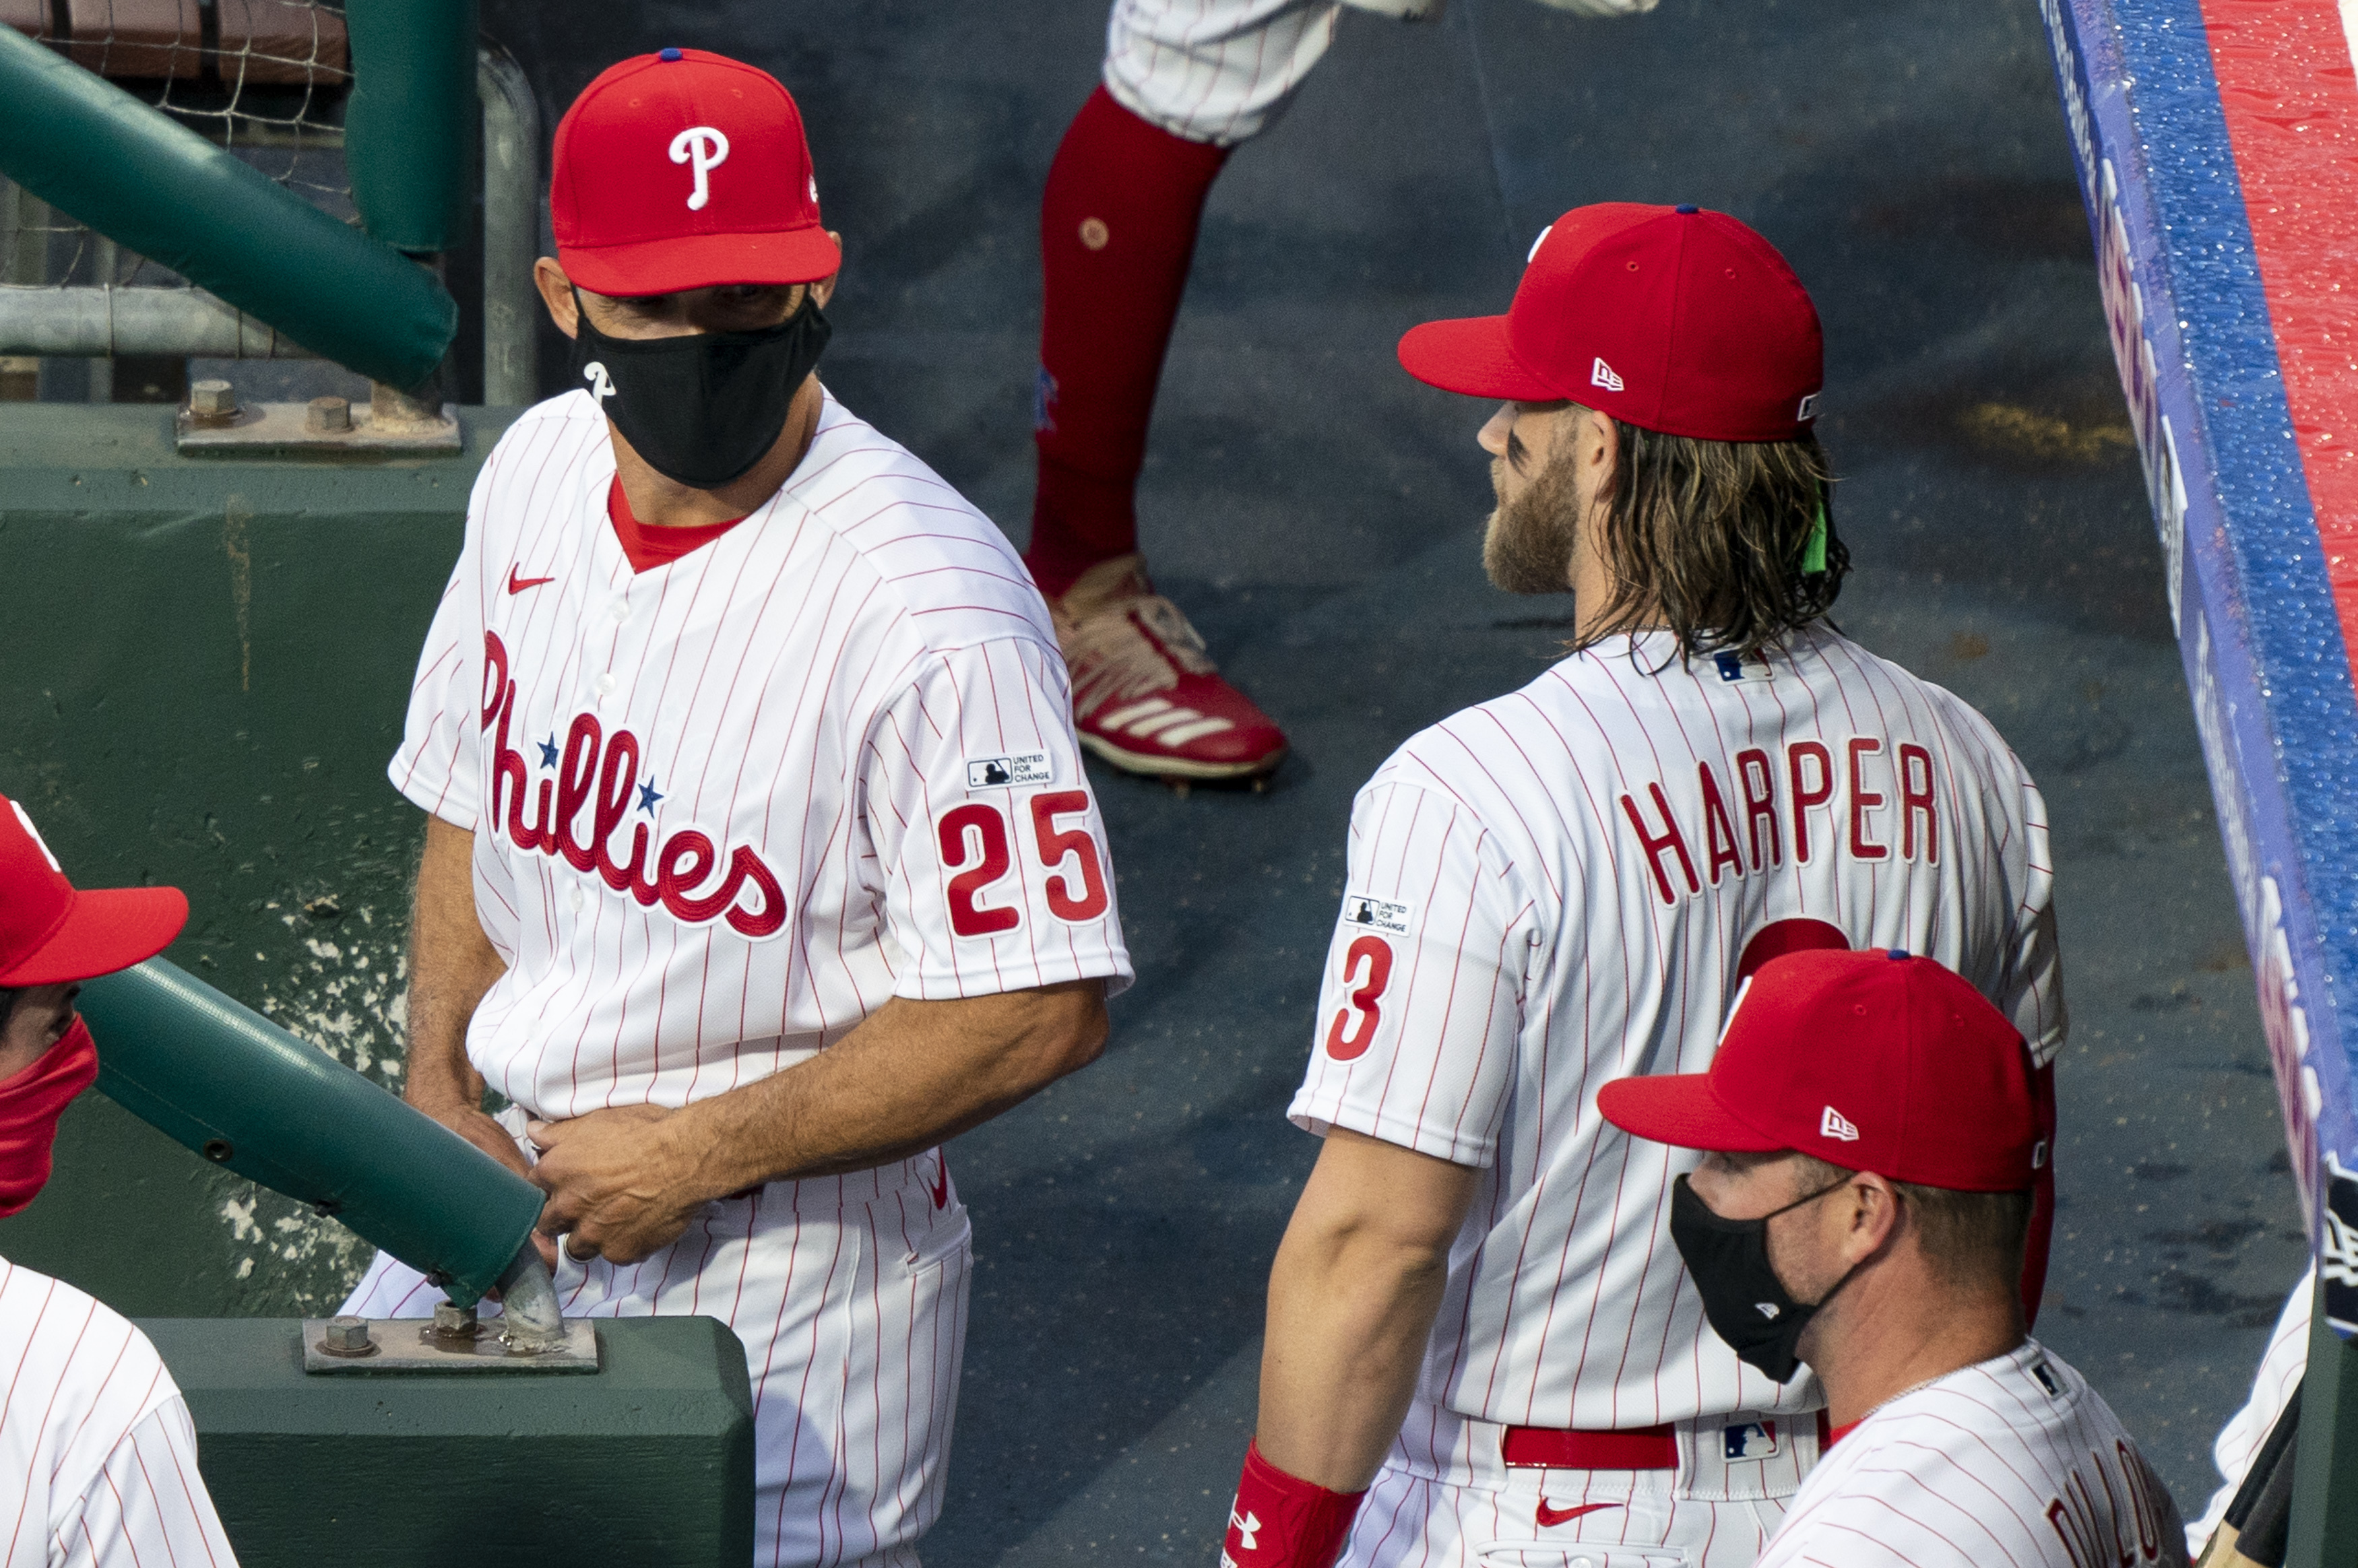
point(30, 1104)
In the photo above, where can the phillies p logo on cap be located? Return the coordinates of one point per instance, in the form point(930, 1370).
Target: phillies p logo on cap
point(706, 149)
point(686, 169)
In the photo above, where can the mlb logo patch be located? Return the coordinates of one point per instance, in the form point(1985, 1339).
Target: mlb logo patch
point(2038, 1369)
point(1751, 1439)
point(1376, 914)
point(1732, 667)
point(1009, 773)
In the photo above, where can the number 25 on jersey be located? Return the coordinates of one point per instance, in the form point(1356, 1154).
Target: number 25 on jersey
point(975, 848)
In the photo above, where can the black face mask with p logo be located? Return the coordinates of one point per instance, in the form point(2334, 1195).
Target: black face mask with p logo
point(702, 409)
point(1747, 1304)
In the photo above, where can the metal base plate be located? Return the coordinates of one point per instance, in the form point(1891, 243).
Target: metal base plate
point(405, 1345)
point(263, 428)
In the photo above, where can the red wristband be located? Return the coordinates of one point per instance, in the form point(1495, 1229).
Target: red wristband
point(1284, 1522)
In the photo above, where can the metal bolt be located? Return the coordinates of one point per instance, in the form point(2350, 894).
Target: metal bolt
point(449, 1319)
point(327, 415)
point(212, 400)
point(347, 1338)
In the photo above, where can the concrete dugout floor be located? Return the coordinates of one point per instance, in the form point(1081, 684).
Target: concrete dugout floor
point(1317, 511)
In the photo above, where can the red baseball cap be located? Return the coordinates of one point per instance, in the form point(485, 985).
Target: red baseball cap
point(1667, 318)
point(1871, 1061)
point(686, 169)
point(51, 932)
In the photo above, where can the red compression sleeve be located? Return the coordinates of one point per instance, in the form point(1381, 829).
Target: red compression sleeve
point(1284, 1522)
point(1117, 232)
point(2042, 1197)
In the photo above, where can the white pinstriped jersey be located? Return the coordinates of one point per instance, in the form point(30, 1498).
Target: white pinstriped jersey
point(2013, 1461)
point(725, 807)
point(1559, 888)
point(2282, 1366)
point(1223, 70)
point(98, 1457)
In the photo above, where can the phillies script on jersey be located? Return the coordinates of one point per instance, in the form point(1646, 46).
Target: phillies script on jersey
point(1567, 885)
point(599, 772)
point(2015, 1460)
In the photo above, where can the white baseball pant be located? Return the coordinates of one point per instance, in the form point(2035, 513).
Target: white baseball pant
point(1451, 1504)
point(853, 1318)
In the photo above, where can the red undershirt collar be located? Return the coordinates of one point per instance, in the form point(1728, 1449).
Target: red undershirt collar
point(649, 547)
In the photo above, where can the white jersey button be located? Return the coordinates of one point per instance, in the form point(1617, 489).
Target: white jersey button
point(605, 683)
point(620, 612)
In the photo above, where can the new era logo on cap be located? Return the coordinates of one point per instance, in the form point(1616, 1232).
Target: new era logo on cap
point(1834, 1124)
point(1604, 375)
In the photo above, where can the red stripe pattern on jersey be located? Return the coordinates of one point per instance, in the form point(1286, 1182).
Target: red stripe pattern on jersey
point(1214, 70)
point(2013, 1462)
point(98, 1457)
point(725, 807)
point(1559, 888)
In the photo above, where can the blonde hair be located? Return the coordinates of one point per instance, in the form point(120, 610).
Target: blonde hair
point(1714, 540)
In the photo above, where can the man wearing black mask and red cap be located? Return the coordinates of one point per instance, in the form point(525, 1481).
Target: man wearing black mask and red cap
point(759, 856)
point(1872, 1142)
point(98, 1458)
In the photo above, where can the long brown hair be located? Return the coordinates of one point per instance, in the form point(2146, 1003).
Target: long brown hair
point(1710, 539)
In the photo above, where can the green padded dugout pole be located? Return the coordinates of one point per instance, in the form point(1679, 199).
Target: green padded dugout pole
point(248, 1096)
point(2325, 1532)
point(409, 124)
point(93, 151)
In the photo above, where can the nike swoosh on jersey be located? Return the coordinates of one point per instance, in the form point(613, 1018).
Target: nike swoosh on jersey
point(1548, 1516)
point(518, 584)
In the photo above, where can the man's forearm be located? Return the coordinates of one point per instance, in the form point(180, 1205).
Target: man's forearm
point(1348, 1324)
point(909, 1077)
point(1352, 1298)
point(451, 965)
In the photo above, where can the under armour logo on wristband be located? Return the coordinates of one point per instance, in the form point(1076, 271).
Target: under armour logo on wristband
point(1245, 1526)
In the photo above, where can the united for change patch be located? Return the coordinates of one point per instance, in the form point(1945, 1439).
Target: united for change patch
point(1009, 773)
point(1376, 914)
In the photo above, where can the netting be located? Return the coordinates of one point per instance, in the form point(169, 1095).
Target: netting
point(265, 79)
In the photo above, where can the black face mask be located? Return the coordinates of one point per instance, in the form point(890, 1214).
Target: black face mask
point(703, 408)
point(1747, 1303)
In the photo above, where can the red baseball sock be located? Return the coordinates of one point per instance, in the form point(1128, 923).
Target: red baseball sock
point(1117, 231)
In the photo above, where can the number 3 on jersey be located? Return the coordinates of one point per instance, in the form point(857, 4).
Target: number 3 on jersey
point(975, 847)
point(1354, 1029)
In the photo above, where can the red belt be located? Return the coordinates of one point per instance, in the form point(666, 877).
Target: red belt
point(1637, 1448)
point(1554, 1448)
